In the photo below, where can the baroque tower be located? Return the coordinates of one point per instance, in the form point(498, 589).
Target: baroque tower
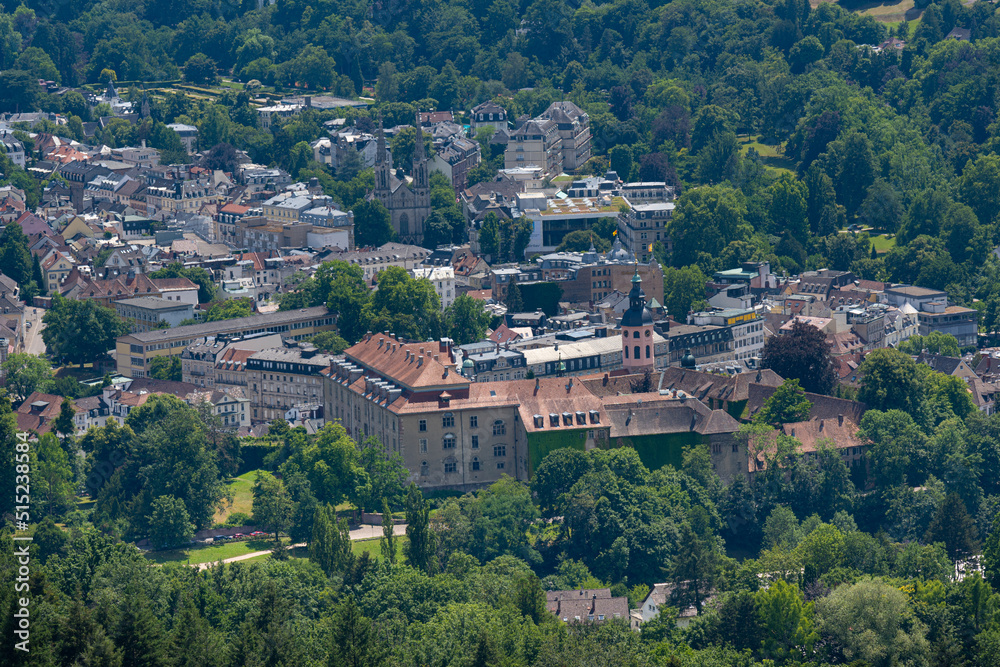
point(637, 331)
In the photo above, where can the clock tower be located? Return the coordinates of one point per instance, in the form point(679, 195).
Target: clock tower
point(637, 331)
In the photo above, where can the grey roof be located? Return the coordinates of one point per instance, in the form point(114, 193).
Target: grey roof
point(225, 326)
point(154, 303)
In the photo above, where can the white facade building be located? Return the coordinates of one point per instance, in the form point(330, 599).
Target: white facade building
point(443, 280)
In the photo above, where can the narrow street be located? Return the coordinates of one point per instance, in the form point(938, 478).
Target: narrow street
point(33, 343)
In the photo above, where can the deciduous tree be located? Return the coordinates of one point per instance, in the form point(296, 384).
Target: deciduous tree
point(803, 354)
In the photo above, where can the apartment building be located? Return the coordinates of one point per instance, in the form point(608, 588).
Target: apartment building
point(536, 143)
point(644, 226)
point(202, 361)
point(488, 114)
point(745, 337)
point(573, 127)
point(283, 378)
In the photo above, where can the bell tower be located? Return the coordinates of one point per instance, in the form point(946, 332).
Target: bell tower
point(637, 331)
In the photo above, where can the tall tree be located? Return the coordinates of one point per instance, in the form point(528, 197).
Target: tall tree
point(890, 381)
point(272, 507)
point(698, 562)
point(26, 373)
point(330, 547)
point(788, 404)
point(953, 526)
point(81, 331)
point(469, 320)
point(14, 255)
point(388, 542)
point(353, 641)
point(193, 641)
point(169, 523)
point(803, 354)
point(64, 423)
point(514, 302)
point(786, 622)
point(383, 477)
point(873, 622)
point(421, 544)
point(140, 635)
point(53, 477)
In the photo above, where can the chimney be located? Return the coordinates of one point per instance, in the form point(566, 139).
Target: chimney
point(420, 360)
point(820, 425)
point(537, 382)
point(840, 420)
point(407, 355)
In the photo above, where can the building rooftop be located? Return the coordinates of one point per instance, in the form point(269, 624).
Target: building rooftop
point(225, 326)
point(154, 303)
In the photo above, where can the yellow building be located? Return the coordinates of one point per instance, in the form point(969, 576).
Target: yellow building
point(133, 352)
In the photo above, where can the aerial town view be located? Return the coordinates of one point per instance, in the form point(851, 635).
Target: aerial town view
point(475, 333)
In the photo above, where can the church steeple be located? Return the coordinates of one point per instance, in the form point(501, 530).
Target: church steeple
point(383, 164)
point(420, 175)
point(145, 103)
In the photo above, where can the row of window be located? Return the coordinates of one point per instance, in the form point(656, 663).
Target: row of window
point(448, 421)
point(449, 442)
point(452, 466)
point(637, 354)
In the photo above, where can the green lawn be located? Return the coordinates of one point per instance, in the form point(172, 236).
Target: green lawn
point(212, 553)
point(883, 244)
point(771, 155)
point(375, 550)
point(242, 489)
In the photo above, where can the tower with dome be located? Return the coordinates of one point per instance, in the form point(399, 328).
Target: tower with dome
point(637, 331)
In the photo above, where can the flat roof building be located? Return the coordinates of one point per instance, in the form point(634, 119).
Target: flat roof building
point(134, 351)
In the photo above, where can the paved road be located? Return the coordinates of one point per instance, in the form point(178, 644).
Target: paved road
point(33, 343)
point(363, 532)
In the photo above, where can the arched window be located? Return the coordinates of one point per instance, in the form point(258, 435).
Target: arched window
point(499, 428)
point(647, 352)
point(636, 353)
point(449, 441)
point(404, 225)
point(635, 334)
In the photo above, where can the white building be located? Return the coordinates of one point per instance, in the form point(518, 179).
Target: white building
point(14, 149)
point(443, 280)
point(188, 135)
point(231, 407)
point(268, 115)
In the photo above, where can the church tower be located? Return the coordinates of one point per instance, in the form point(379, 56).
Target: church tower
point(421, 179)
point(383, 168)
point(637, 331)
point(144, 110)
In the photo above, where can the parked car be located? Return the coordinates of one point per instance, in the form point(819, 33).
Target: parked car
point(224, 537)
point(238, 535)
point(257, 533)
